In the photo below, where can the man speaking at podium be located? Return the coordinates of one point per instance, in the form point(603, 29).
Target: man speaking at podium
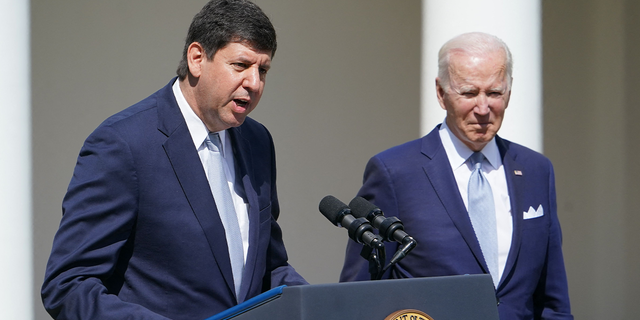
point(475, 203)
point(171, 211)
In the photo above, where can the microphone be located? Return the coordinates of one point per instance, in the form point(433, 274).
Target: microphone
point(391, 228)
point(360, 229)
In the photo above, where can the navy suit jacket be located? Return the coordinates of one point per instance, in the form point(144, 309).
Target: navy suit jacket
point(415, 183)
point(140, 236)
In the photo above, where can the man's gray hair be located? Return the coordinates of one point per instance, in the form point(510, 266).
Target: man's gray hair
point(474, 44)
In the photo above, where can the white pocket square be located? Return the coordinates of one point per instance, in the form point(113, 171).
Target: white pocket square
point(534, 213)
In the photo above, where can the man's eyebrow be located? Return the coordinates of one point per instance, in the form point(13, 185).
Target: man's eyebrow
point(243, 59)
point(467, 89)
point(247, 60)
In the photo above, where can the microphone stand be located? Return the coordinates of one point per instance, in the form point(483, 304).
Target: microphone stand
point(408, 243)
point(374, 255)
point(377, 256)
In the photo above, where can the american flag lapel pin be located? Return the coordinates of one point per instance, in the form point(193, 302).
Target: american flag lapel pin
point(517, 172)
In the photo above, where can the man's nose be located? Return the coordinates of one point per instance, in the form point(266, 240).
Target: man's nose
point(252, 79)
point(482, 104)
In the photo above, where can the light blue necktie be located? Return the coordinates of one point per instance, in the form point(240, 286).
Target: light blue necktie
point(226, 209)
point(483, 215)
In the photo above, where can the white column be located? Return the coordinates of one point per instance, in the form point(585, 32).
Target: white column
point(16, 247)
point(518, 24)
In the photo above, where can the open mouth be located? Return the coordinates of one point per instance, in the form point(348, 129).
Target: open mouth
point(241, 102)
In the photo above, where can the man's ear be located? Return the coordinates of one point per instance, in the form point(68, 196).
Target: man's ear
point(509, 93)
point(440, 93)
point(195, 58)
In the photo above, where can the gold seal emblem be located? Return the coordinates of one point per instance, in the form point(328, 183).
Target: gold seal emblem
point(408, 314)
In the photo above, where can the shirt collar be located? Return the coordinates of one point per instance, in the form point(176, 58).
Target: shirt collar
point(458, 152)
point(197, 128)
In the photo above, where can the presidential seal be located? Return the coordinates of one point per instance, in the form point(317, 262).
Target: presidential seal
point(408, 314)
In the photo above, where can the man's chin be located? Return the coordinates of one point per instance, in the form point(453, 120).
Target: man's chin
point(238, 121)
point(479, 140)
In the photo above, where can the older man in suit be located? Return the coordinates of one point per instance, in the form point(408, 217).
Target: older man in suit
point(171, 211)
point(474, 202)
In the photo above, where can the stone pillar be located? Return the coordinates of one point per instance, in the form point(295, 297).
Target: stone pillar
point(15, 163)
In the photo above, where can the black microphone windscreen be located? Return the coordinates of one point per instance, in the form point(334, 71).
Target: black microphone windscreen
point(361, 208)
point(333, 209)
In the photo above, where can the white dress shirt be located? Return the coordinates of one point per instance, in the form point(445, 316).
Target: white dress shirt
point(458, 154)
point(199, 134)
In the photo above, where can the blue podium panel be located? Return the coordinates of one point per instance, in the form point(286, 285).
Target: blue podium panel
point(442, 298)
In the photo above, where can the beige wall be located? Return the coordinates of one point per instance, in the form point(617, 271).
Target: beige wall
point(345, 85)
point(591, 75)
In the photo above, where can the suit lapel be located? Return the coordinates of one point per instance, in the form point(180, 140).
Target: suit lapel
point(191, 176)
point(439, 173)
point(515, 184)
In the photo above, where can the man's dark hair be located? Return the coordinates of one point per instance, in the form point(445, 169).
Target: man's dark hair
point(221, 22)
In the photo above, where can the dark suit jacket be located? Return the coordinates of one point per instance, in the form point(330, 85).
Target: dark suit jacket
point(415, 182)
point(140, 236)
